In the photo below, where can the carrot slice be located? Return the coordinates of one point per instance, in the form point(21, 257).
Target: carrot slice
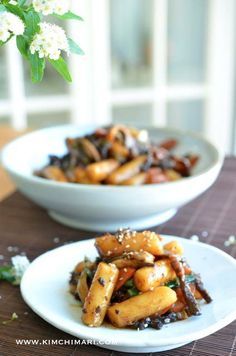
point(124, 275)
point(178, 307)
point(166, 310)
point(187, 270)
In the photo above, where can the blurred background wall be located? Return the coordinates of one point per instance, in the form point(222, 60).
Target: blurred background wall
point(163, 62)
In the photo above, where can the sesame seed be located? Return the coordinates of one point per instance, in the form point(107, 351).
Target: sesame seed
point(56, 240)
point(123, 234)
point(167, 320)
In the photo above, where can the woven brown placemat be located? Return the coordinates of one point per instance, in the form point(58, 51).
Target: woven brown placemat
point(25, 227)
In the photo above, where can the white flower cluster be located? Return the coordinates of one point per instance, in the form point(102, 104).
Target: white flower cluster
point(49, 42)
point(10, 24)
point(47, 7)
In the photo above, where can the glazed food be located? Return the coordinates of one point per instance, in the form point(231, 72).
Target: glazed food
point(118, 155)
point(137, 281)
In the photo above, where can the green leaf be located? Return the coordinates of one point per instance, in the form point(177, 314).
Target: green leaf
point(69, 16)
point(3, 43)
point(2, 8)
point(6, 274)
point(22, 46)
point(22, 2)
point(37, 67)
point(61, 67)
point(16, 10)
point(189, 278)
point(32, 20)
point(74, 48)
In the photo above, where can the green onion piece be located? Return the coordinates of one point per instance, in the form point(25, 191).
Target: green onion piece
point(133, 292)
point(189, 278)
point(129, 283)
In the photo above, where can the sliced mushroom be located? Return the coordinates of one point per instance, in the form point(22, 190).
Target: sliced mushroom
point(83, 264)
point(156, 175)
point(116, 131)
point(201, 289)
point(90, 149)
point(77, 272)
point(73, 282)
point(193, 159)
point(135, 259)
point(169, 144)
point(181, 165)
point(192, 306)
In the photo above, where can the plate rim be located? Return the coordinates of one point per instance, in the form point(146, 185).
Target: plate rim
point(138, 343)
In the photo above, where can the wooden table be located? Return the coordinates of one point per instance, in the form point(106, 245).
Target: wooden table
point(28, 228)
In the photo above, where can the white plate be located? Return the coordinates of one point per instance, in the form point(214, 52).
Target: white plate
point(44, 288)
point(103, 207)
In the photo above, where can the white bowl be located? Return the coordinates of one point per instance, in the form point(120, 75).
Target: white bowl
point(100, 208)
point(45, 290)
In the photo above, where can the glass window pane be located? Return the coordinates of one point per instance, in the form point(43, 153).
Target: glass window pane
point(48, 119)
point(131, 42)
point(187, 35)
point(139, 115)
point(187, 115)
point(3, 75)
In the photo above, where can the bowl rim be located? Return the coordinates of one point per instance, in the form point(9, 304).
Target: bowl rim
point(218, 160)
